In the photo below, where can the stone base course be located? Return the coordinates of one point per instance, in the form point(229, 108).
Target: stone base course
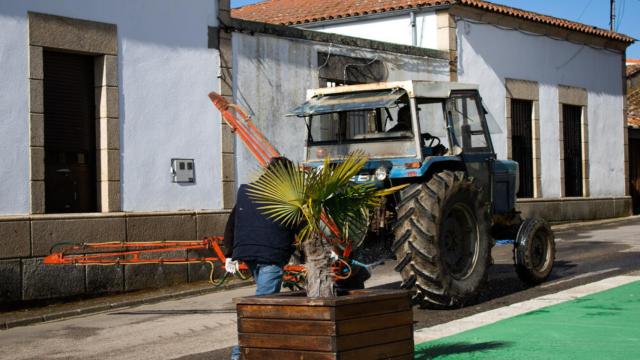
point(14, 239)
point(41, 281)
point(575, 209)
point(10, 280)
point(25, 240)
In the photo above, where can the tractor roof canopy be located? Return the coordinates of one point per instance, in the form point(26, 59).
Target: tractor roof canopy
point(413, 88)
point(349, 101)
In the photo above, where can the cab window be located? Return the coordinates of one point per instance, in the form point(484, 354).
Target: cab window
point(467, 123)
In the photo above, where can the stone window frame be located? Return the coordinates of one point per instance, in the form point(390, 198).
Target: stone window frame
point(448, 39)
point(526, 90)
point(59, 33)
point(571, 95)
point(221, 38)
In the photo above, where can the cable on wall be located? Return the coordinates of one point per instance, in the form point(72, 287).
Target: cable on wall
point(501, 27)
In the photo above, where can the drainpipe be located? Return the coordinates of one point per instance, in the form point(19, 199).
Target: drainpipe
point(414, 32)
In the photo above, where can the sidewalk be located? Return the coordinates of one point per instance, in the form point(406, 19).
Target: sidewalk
point(603, 325)
point(58, 311)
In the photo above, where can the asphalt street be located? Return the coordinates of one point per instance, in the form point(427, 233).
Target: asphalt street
point(203, 327)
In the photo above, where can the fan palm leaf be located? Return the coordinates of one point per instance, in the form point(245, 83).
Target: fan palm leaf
point(302, 199)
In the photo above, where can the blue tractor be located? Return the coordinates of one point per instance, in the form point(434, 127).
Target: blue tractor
point(460, 198)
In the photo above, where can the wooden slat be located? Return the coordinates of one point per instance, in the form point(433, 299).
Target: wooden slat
point(285, 312)
point(286, 327)
point(375, 322)
point(276, 341)
point(298, 298)
point(385, 351)
point(373, 338)
point(274, 354)
point(372, 308)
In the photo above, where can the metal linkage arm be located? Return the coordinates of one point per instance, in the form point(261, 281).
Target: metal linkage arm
point(147, 252)
point(241, 123)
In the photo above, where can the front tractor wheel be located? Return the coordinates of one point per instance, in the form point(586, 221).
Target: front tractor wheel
point(442, 240)
point(535, 251)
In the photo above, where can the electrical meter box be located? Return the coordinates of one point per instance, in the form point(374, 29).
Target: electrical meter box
point(183, 170)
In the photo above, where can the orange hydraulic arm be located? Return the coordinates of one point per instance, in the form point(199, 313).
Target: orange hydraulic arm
point(245, 128)
point(147, 252)
point(254, 139)
point(115, 253)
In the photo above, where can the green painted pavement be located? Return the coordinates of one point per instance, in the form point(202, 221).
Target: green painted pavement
point(604, 325)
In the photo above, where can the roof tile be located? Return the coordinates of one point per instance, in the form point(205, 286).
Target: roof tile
point(633, 69)
point(294, 12)
point(633, 108)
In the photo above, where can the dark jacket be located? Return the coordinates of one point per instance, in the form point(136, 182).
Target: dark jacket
point(250, 236)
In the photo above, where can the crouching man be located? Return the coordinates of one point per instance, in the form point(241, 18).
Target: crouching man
point(261, 243)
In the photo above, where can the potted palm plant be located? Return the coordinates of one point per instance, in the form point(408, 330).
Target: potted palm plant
point(320, 323)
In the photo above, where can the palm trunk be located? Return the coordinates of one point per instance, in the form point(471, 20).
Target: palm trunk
point(318, 265)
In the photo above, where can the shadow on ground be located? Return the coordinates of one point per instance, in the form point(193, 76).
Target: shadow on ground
point(176, 312)
point(438, 350)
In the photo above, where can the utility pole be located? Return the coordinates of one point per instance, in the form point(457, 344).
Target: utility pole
point(613, 16)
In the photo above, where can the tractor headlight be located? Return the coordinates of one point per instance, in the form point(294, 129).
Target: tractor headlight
point(381, 173)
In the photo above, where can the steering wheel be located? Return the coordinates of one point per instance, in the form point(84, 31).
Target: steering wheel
point(428, 137)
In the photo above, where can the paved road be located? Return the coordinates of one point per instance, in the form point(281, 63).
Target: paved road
point(203, 327)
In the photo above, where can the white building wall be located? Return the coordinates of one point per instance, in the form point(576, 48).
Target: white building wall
point(271, 76)
point(165, 71)
point(396, 29)
point(488, 55)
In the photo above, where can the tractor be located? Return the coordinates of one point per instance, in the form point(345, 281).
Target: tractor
point(458, 199)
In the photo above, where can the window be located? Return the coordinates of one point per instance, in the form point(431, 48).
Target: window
point(572, 132)
point(431, 118)
point(467, 124)
point(69, 133)
point(337, 70)
point(522, 143)
point(376, 124)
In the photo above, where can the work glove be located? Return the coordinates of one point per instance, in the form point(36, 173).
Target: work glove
point(231, 266)
point(334, 256)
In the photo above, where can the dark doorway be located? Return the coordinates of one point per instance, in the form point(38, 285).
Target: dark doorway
point(522, 144)
point(69, 133)
point(572, 135)
point(634, 168)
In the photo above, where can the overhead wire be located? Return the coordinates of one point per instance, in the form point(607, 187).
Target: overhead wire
point(620, 14)
point(584, 10)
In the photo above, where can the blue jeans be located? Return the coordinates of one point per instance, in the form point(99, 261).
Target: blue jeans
point(268, 280)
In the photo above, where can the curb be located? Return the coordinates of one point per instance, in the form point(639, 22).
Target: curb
point(92, 309)
point(577, 225)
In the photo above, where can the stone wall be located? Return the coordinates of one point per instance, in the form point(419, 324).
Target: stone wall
point(26, 240)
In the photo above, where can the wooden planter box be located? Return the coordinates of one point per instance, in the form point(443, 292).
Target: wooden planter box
point(363, 324)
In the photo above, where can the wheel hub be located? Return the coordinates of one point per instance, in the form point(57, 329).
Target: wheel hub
point(460, 241)
point(539, 251)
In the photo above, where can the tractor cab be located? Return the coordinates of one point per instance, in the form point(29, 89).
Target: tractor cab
point(407, 129)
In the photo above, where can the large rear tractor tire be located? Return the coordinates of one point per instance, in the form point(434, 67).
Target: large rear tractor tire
point(442, 240)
